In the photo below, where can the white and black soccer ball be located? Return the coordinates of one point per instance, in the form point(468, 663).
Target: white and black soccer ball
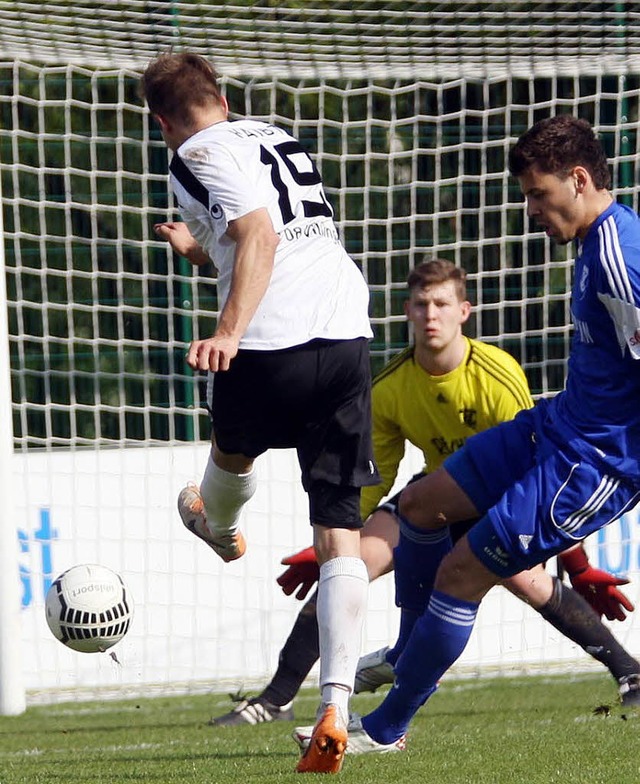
point(89, 608)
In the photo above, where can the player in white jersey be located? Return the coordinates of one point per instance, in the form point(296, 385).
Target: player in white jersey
point(289, 356)
point(561, 470)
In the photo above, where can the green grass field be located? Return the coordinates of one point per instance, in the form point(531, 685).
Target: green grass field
point(531, 730)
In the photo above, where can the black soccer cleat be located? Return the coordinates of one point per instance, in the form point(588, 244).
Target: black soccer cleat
point(630, 690)
point(253, 711)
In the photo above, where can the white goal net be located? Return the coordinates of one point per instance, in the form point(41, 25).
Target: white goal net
point(409, 110)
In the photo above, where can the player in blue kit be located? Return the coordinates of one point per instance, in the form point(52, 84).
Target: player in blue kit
point(559, 471)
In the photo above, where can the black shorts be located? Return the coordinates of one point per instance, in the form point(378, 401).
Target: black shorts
point(315, 398)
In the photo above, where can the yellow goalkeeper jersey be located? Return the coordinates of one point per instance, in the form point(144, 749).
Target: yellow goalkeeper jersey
point(438, 413)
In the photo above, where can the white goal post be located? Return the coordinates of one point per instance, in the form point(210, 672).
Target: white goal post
point(12, 690)
point(409, 110)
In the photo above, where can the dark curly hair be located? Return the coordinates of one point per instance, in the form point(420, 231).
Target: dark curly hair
point(556, 145)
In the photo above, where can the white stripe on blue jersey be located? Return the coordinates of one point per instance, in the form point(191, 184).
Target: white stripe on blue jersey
point(600, 402)
point(613, 261)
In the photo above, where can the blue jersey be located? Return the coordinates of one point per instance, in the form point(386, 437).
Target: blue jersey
point(601, 402)
point(569, 466)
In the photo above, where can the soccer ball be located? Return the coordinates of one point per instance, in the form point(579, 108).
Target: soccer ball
point(88, 608)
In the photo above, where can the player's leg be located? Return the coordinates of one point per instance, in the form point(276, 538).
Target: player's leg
point(456, 492)
point(571, 614)
point(441, 505)
point(378, 540)
point(296, 659)
point(378, 543)
point(301, 650)
point(212, 510)
point(336, 459)
point(340, 610)
point(533, 586)
point(413, 589)
point(342, 589)
point(439, 499)
point(438, 638)
point(539, 513)
point(416, 558)
point(478, 561)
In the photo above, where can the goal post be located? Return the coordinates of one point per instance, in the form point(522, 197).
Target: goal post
point(12, 690)
point(409, 111)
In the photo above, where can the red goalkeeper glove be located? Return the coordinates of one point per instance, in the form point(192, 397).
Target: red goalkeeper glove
point(597, 587)
point(303, 573)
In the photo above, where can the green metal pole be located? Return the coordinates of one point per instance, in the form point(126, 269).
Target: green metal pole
point(625, 167)
point(185, 302)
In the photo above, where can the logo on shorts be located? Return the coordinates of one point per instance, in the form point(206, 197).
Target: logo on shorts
point(525, 539)
point(216, 211)
point(498, 555)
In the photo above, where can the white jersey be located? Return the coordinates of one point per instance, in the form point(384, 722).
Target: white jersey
point(316, 290)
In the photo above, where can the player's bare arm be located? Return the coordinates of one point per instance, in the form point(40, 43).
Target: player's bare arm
point(256, 243)
point(177, 234)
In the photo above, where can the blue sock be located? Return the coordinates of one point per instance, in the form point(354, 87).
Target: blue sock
point(416, 560)
point(407, 622)
point(437, 640)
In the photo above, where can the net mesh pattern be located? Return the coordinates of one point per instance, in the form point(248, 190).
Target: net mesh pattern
point(409, 110)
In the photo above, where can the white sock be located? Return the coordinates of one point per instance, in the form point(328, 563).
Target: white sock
point(340, 608)
point(224, 494)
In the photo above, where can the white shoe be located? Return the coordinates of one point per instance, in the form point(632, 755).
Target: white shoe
point(191, 509)
point(373, 671)
point(358, 743)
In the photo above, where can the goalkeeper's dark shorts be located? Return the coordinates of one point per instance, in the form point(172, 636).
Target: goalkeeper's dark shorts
point(315, 398)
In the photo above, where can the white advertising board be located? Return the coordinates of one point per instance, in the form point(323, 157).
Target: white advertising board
point(200, 623)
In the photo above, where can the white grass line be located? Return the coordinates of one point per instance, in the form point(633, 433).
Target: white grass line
point(513, 682)
point(116, 749)
point(98, 710)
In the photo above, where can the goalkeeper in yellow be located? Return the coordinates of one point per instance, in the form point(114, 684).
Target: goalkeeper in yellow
point(436, 393)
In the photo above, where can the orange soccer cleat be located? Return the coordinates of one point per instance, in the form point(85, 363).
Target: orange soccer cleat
point(328, 744)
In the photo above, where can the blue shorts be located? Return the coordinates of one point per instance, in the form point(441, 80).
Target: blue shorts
point(537, 493)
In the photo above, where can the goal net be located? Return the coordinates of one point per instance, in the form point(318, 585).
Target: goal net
point(409, 110)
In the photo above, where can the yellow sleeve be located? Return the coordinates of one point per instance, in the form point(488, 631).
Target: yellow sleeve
point(515, 397)
point(502, 389)
point(388, 449)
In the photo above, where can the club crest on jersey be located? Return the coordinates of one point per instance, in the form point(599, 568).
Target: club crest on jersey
point(216, 211)
point(584, 278)
point(469, 417)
